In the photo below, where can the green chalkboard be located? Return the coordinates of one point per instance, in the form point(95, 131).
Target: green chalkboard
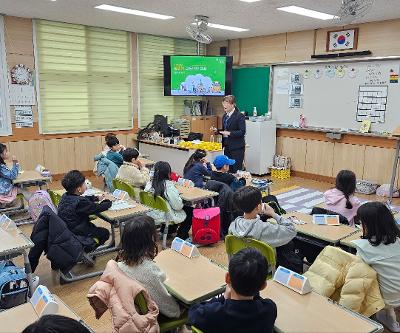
point(250, 85)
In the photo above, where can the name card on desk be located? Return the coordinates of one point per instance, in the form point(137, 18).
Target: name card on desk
point(322, 219)
point(43, 301)
point(187, 249)
point(121, 195)
point(292, 280)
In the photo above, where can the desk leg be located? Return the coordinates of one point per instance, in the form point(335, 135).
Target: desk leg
point(394, 172)
point(28, 271)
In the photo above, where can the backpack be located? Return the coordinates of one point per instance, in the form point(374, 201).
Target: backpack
point(14, 285)
point(206, 225)
point(272, 201)
point(36, 203)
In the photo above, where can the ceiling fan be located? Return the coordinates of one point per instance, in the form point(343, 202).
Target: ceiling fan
point(352, 10)
point(197, 30)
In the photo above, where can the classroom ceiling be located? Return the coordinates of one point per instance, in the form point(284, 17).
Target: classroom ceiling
point(261, 17)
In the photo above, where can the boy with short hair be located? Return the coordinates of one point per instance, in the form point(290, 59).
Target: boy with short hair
point(114, 154)
point(248, 199)
point(241, 309)
point(74, 208)
point(133, 171)
point(221, 174)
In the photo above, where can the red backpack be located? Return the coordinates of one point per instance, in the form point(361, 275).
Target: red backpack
point(206, 226)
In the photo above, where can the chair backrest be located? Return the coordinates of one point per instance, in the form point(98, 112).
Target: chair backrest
point(55, 197)
point(123, 186)
point(234, 244)
point(141, 304)
point(196, 330)
point(148, 199)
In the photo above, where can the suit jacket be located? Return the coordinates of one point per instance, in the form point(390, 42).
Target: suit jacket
point(237, 126)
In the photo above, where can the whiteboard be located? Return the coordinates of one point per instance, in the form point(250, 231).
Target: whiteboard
point(338, 95)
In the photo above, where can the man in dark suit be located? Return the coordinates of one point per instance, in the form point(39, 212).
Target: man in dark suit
point(233, 133)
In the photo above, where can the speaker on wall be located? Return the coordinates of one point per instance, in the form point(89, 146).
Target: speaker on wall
point(223, 51)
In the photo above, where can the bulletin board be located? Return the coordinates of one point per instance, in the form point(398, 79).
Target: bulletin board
point(250, 85)
point(338, 95)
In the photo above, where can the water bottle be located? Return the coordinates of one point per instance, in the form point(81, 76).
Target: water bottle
point(254, 112)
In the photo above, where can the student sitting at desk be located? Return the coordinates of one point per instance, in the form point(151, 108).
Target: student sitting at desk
point(221, 174)
point(197, 168)
point(114, 154)
point(138, 249)
point(380, 248)
point(341, 199)
point(56, 324)
point(132, 171)
point(241, 309)
point(107, 148)
point(179, 214)
point(248, 199)
point(8, 192)
point(74, 208)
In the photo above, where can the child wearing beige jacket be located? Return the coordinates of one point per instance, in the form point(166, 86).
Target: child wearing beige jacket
point(133, 171)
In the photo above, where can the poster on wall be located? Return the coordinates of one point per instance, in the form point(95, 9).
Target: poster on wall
point(372, 101)
point(22, 94)
point(23, 116)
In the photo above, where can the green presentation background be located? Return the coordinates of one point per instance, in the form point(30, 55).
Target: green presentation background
point(251, 88)
point(215, 69)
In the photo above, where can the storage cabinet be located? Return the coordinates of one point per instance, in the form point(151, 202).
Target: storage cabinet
point(202, 124)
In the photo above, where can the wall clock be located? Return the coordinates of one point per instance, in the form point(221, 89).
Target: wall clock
point(21, 74)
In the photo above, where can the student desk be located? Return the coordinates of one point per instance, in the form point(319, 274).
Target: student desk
point(14, 243)
point(326, 234)
point(31, 178)
point(346, 242)
point(194, 194)
point(313, 313)
point(19, 317)
point(146, 162)
point(191, 280)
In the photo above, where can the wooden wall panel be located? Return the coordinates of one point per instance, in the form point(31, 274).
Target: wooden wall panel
point(349, 157)
point(296, 149)
point(299, 45)
point(131, 140)
point(18, 35)
point(214, 48)
point(263, 50)
point(319, 158)
point(378, 164)
point(122, 139)
point(85, 149)
point(234, 50)
point(279, 144)
point(59, 155)
point(29, 153)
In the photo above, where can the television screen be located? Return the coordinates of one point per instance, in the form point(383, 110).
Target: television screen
point(197, 75)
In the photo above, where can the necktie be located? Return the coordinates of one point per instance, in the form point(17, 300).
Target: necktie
point(226, 122)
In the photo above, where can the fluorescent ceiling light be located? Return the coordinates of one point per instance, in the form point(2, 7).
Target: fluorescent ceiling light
point(134, 12)
point(307, 12)
point(224, 27)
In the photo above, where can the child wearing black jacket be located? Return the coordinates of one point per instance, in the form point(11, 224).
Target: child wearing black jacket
point(74, 208)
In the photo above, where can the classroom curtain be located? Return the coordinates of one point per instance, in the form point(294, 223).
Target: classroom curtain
point(151, 76)
point(85, 78)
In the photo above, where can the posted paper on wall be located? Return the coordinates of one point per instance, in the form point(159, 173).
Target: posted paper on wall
point(372, 102)
point(22, 94)
point(23, 116)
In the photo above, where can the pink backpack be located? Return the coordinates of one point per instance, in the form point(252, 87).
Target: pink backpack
point(206, 225)
point(36, 203)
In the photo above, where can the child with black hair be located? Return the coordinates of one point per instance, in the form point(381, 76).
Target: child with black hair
point(380, 248)
point(114, 154)
point(221, 174)
point(241, 309)
point(162, 186)
point(55, 324)
point(341, 199)
point(138, 249)
point(74, 208)
point(106, 139)
point(133, 171)
point(197, 167)
point(278, 235)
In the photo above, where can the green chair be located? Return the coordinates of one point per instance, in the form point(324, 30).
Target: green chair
point(123, 186)
point(55, 197)
point(166, 324)
point(234, 244)
point(158, 203)
point(196, 330)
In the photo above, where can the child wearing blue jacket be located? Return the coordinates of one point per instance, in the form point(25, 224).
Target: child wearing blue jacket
point(197, 167)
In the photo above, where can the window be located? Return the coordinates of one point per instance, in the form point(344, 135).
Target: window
point(84, 78)
point(5, 121)
point(151, 76)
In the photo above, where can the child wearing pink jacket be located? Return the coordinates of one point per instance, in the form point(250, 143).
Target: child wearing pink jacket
point(341, 199)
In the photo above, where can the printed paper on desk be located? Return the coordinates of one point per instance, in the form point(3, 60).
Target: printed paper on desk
point(186, 248)
point(322, 219)
point(121, 195)
point(40, 168)
point(6, 223)
point(120, 205)
point(44, 302)
point(292, 280)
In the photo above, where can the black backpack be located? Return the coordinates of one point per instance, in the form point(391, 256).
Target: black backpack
point(272, 201)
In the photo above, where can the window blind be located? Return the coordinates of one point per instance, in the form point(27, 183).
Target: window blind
point(151, 76)
point(84, 78)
